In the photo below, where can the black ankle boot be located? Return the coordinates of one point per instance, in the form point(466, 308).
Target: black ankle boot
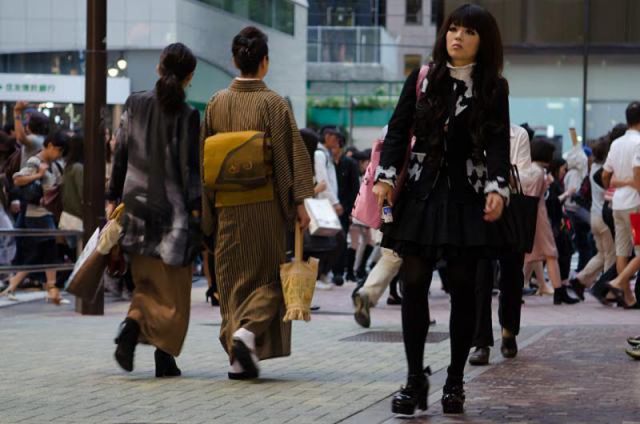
point(560, 296)
point(453, 398)
point(127, 341)
point(413, 395)
point(166, 365)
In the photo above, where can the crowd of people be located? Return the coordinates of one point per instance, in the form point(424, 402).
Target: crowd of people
point(193, 188)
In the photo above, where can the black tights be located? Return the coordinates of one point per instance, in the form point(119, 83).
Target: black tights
point(416, 276)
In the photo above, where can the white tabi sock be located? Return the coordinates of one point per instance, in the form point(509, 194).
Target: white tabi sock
point(247, 337)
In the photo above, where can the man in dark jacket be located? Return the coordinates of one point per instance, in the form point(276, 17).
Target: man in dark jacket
point(348, 176)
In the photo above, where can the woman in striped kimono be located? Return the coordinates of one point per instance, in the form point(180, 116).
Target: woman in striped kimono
point(250, 239)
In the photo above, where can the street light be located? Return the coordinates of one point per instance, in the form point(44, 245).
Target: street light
point(122, 63)
point(113, 72)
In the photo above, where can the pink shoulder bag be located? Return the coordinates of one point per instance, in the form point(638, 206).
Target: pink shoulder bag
point(366, 208)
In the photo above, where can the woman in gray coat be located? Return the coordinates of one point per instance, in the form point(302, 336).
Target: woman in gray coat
point(156, 174)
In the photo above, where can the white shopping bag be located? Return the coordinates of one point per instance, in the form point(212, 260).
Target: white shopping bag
point(324, 220)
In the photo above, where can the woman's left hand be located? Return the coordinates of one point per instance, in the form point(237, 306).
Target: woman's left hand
point(493, 207)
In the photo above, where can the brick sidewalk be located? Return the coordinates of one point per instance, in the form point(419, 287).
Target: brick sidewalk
point(57, 367)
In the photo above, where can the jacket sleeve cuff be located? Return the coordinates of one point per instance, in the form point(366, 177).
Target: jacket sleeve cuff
point(498, 186)
point(386, 175)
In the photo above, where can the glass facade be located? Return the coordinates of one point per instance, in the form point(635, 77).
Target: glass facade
point(343, 45)
point(277, 14)
point(57, 63)
point(562, 22)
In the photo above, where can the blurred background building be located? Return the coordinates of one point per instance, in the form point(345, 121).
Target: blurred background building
point(569, 62)
point(339, 62)
point(42, 45)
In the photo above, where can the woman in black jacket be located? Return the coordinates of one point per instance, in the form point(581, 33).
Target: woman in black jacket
point(455, 190)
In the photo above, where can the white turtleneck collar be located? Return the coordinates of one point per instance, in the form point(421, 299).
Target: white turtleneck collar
point(461, 73)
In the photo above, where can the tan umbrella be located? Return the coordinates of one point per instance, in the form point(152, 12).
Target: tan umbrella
point(298, 282)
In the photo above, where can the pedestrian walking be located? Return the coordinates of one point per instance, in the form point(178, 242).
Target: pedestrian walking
point(511, 277)
point(605, 257)
point(455, 192)
point(249, 227)
point(619, 173)
point(156, 174)
point(34, 181)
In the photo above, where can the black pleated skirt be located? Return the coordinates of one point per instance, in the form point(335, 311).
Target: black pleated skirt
point(449, 223)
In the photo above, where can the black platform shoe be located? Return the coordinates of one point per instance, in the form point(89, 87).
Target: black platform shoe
point(413, 395)
point(453, 398)
point(578, 288)
point(127, 341)
point(560, 295)
point(166, 365)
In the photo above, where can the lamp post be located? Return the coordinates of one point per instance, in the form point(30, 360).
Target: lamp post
point(94, 113)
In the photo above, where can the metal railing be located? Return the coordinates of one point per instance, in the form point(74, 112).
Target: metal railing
point(32, 232)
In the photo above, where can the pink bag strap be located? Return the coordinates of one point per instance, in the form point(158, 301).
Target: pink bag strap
point(422, 80)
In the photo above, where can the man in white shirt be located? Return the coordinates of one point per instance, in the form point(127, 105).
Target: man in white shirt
point(325, 168)
point(325, 171)
point(618, 173)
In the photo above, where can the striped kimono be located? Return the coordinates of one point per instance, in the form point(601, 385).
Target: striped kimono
point(250, 240)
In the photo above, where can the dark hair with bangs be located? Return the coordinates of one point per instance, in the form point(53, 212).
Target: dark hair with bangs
point(542, 151)
point(487, 79)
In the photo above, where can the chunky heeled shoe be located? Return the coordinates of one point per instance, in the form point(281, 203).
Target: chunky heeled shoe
point(413, 395)
point(578, 288)
point(560, 296)
point(127, 341)
point(166, 365)
point(453, 398)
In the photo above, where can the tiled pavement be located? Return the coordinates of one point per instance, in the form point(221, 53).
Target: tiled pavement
point(56, 366)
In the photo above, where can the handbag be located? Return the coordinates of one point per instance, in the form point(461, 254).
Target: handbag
point(324, 220)
point(366, 209)
point(31, 193)
point(298, 279)
point(85, 279)
point(521, 214)
point(319, 244)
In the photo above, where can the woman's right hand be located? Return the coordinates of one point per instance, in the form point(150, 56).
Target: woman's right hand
point(383, 191)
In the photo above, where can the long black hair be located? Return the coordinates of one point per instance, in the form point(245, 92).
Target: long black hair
point(177, 62)
point(75, 153)
point(431, 112)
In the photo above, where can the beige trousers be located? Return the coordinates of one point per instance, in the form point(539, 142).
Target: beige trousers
point(606, 256)
point(381, 275)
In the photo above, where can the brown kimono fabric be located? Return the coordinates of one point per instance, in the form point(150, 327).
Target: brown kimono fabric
point(250, 240)
point(161, 302)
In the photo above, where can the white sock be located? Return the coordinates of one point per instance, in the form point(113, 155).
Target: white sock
point(247, 337)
